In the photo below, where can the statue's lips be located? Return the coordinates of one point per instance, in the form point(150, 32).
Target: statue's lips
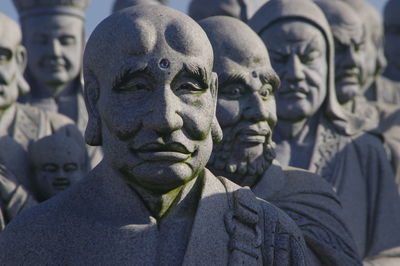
point(293, 94)
point(53, 66)
point(155, 152)
point(61, 183)
point(253, 136)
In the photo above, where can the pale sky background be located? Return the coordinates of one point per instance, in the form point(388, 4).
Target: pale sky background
point(99, 9)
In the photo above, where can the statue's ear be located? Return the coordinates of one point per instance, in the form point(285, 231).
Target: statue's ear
point(22, 61)
point(216, 131)
point(93, 135)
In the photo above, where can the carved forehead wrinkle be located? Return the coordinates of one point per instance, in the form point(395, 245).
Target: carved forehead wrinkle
point(234, 40)
point(122, 34)
point(293, 30)
point(139, 30)
point(10, 32)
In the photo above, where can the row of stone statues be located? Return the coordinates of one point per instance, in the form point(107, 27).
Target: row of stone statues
point(262, 134)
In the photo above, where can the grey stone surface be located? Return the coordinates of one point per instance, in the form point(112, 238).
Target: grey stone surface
point(314, 132)
point(247, 114)
point(53, 34)
point(121, 4)
point(151, 201)
point(57, 162)
point(13, 197)
point(241, 9)
point(353, 58)
point(391, 77)
point(19, 124)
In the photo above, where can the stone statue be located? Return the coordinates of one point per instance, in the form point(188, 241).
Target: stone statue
point(241, 9)
point(13, 197)
point(57, 162)
point(390, 83)
point(352, 57)
point(151, 201)
point(53, 34)
point(314, 132)
point(121, 4)
point(247, 114)
point(375, 63)
point(19, 124)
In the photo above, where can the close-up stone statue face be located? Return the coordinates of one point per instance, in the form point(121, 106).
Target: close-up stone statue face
point(154, 99)
point(12, 62)
point(58, 162)
point(350, 49)
point(392, 34)
point(246, 107)
point(298, 55)
point(55, 47)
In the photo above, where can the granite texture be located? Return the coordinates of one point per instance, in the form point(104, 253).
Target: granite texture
point(312, 122)
point(247, 113)
point(151, 201)
point(241, 9)
point(53, 34)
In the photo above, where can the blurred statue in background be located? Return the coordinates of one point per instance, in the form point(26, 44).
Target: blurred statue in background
point(57, 162)
point(240, 9)
point(121, 4)
point(19, 124)
point(391, 77)
point(53, 34)
point(315, 132)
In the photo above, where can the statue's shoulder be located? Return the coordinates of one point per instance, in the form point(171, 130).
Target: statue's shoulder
point(31, 114)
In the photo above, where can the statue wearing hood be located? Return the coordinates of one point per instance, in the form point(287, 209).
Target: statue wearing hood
point(315, 132)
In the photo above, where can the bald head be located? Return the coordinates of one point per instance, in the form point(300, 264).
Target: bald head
point(10, 32)
point(121, 4)
point(201, 9)
point(236, 44)
point(142, 32)
point(343, 20)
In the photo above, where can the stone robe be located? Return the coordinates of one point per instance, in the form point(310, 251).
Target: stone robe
point(103, 221)
point(19, 125)
point(313, 205)
point(357, 168)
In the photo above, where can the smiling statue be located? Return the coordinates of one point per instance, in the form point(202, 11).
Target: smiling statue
point(151, 201)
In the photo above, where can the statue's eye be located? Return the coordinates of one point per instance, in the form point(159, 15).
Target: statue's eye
point(232, 92)
point(5, 55)
point(69, 167)
point(265, 91)
point(67, 40)
point(49, 167)
point(189, 87)
point(132, 87)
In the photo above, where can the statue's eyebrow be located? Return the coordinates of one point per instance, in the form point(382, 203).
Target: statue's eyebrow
point(196, 72)
point(127, 74)
point(232, 79)
point(272, 79)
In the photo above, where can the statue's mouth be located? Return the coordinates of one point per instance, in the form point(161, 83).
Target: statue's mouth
point(61, 183)
point(254, 136)
point(171, 152)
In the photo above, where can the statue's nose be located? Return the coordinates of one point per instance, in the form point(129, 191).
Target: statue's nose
point(166, 115)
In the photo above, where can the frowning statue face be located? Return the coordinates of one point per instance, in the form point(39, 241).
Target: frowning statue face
point(156, 98)
point(298, 55)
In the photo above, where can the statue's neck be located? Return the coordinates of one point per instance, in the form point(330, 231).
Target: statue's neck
point(51, 91)
point(159, 204)
point(298, 131)
point(392, 72)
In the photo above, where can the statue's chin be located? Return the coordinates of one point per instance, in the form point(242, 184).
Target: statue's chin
point(159, 177)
